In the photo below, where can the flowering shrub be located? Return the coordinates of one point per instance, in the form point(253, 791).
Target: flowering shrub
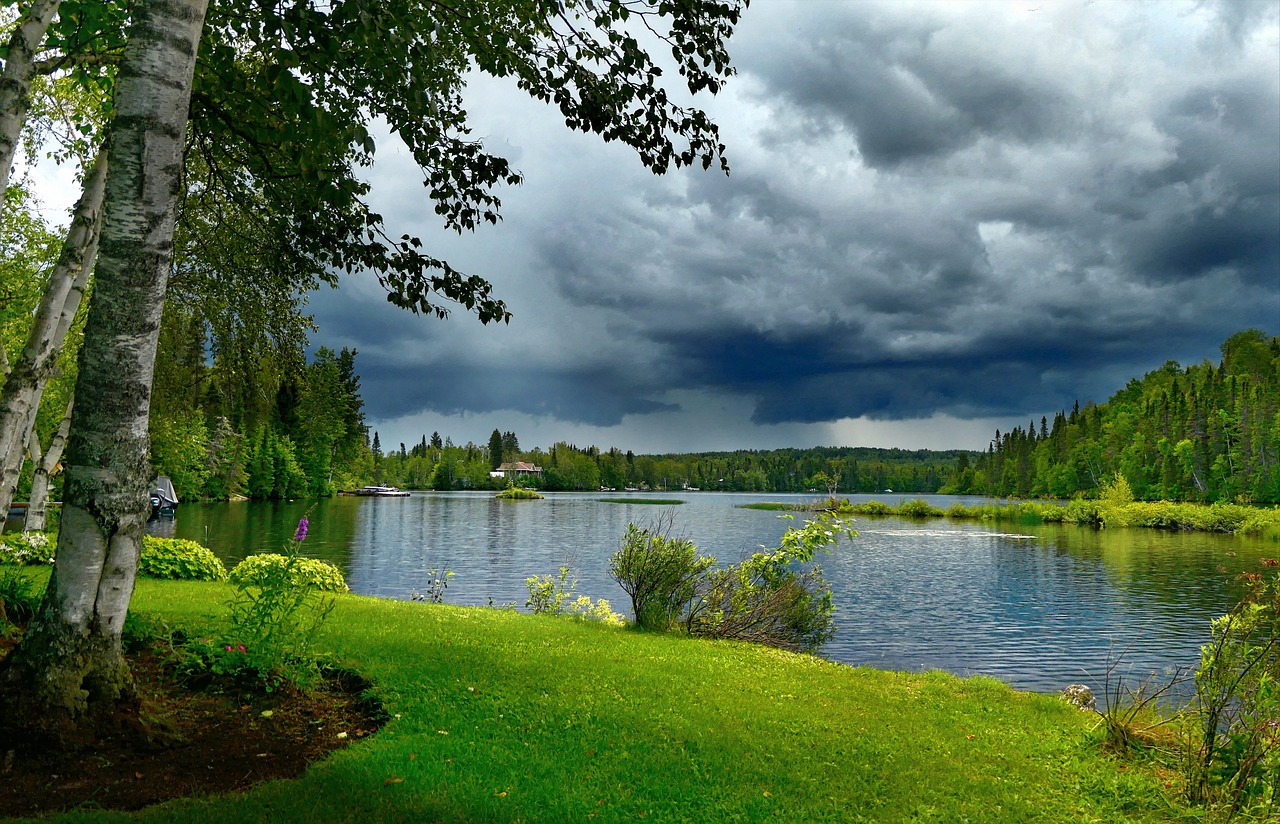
point(257, 570)
point(179, 559)
point(27, 548)
point(206, 655)
point(555, 596)
point(278, 609)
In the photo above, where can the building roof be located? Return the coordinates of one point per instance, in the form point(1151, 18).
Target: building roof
point(519, 466)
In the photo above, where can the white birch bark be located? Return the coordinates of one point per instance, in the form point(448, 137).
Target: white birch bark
point(15, 80)
point(45, 462)
point(69, 668)
point(32, 367)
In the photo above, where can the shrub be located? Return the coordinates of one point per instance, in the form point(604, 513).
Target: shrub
point(554, 595)
point(1083, 513)
point(437, 583)
point(1233, 756)
point(766, 600)
point(583, 607)
point(1116, 491)
point(303, 573)
point(27, 548)
point(751, 602)
point(515, 493)
point(278, 609)
point(547, 594)
point(918, 509)
point(659, 572)
point(179, 559)
point(872, 508)
point(139, 631)
point(19, 597)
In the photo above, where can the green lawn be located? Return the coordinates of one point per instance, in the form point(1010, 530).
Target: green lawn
point(499, 716)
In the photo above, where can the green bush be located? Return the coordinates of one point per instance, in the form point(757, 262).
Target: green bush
point(659, 572)
point(766, 600)
point(872, 508)
point(918, 509)
point(139, 631)
point(19, 597)
point(515, 493)
point(278, 609)
point(1083, 513)
point(1233, 753)
point(27, 548)
point(179, 559)
point(258, 570)
point(554, 595)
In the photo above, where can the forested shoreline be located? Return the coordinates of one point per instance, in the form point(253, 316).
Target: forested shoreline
point(1202, 433)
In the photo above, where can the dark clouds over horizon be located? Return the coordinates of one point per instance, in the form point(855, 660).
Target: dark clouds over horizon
point(942, 217)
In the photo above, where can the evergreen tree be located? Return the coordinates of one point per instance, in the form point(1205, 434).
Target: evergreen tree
point(495, 450)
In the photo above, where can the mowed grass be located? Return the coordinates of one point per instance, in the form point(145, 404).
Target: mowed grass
point(504, 717)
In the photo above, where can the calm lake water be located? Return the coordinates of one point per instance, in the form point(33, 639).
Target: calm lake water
point(1038, 607)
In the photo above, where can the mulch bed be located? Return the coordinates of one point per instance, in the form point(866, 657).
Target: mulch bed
point(224, 737)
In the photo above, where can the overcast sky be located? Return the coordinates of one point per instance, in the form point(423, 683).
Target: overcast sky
point(942, 219)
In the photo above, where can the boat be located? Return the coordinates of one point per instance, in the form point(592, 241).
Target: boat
point(164, 500)
point(382, 492)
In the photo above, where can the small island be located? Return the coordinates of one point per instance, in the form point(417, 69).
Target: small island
point(516, 493)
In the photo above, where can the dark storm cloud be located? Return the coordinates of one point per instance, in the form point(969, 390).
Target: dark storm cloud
point(593, 397)
point(903, 96)
point(957, 209)
point(1218, 203)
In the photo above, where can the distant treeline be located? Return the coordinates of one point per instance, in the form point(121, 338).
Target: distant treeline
point(1204, 433)
point(280, 427)
point(436, 464)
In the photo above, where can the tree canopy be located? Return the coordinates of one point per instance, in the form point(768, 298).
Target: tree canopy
point(282, 96)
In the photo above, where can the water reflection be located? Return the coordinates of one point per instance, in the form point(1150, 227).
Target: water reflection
point(1036, 606)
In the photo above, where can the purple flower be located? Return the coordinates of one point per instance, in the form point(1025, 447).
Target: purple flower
point(301, 534)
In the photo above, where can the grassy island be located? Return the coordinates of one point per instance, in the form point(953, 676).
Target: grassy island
point(1227, 518)
point(515, 493)
point(500, 716)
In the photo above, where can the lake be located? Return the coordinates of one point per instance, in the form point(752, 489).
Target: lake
point(1038, 607)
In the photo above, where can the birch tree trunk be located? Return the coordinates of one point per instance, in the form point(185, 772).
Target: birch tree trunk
point(68, 675)
point(45, 461)
point(15, 81)
point(20, 395)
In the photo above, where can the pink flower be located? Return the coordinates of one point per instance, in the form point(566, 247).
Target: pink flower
point(301, 534)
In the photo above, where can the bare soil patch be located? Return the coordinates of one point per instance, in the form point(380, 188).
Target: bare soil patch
point(224, 736)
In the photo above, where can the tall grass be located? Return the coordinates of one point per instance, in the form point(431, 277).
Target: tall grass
point(1220, 517)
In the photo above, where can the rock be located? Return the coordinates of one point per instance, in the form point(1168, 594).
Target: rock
point(1080, 696)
